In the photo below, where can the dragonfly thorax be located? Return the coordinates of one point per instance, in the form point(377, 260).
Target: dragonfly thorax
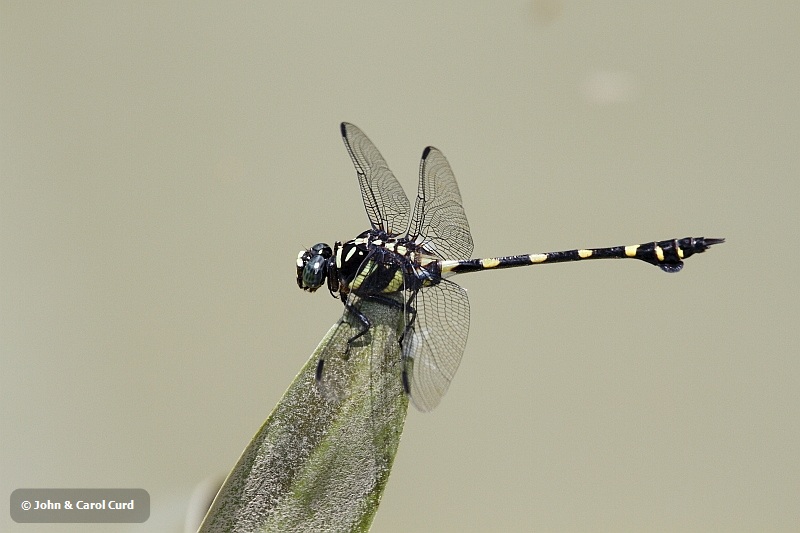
point(373, 263)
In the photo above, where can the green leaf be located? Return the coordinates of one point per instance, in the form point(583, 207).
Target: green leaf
point(320, 463)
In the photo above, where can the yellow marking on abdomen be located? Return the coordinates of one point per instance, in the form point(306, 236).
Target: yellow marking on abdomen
point(489, 262)
point(448, 266)
point(660, 253)
point(537, 258)
point(680, 252)
point(584, 254)
point(630, 251)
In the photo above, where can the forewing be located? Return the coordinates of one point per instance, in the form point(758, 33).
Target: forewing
point(439, 221)
point(386, 204)
point(433, 346)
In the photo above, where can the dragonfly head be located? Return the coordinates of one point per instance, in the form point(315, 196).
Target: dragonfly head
point(312, 266)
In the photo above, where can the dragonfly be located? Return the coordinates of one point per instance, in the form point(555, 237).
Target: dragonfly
point(413, 254)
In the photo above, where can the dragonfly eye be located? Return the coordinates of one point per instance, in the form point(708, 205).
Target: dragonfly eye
point(312, 267)
point(321, 249)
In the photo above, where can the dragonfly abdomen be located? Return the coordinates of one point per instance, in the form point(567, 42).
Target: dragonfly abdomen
point(667, 255)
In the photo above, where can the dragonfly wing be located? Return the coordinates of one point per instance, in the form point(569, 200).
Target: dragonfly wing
point(439, 221)
point(434, 344)
point(386, 203)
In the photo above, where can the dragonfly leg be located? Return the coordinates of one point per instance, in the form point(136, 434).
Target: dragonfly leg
point(318, 374)
point(406, 384)
point(365, 323)
point(412, 316)
point(362, 318)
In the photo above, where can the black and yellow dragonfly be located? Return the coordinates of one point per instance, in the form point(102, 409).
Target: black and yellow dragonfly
point(413, 253)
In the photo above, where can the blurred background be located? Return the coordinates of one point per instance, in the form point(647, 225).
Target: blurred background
point(162, 164)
